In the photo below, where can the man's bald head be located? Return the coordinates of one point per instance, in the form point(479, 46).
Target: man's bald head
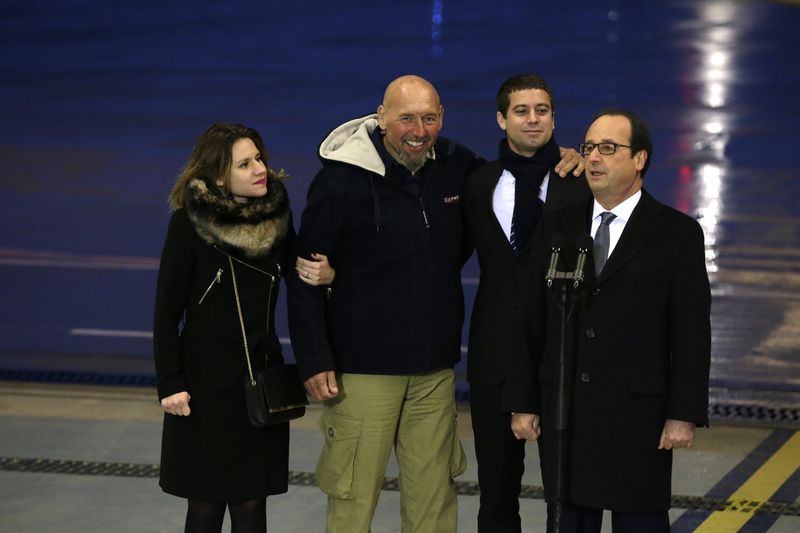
point(411, 118)
point(409, 86)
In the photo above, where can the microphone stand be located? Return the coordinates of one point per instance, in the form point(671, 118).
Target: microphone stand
point(572, 280)
point(559, 487)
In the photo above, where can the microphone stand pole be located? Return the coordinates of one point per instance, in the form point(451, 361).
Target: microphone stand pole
point(561, 415)
point(575, 280)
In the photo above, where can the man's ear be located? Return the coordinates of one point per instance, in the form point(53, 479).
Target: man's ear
point(641, 159)
point(381, 117)
point(501, 121)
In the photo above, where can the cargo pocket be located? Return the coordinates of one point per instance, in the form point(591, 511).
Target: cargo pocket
point(336, 467)
point(458, 459)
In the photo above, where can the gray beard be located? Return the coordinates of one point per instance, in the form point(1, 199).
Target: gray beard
point(413, 164)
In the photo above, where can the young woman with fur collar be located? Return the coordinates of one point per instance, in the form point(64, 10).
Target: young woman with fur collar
point(227, 204)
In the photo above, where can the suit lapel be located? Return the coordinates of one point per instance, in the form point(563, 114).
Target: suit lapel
point(487, 207)
point(554, 192)
point(645, 222)
point(487, 189)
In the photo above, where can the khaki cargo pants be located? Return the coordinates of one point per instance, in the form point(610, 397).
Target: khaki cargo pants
point(416, 415)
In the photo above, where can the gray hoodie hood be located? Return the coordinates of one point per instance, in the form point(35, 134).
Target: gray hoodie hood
point(351, 143)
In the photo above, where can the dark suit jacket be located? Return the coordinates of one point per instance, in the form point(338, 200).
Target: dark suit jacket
point(640, 337)
point(497, 330)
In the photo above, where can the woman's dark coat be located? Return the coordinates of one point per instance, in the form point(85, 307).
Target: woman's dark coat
point(214, 454)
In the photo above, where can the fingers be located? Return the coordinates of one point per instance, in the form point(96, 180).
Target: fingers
point(525, 426)
point(570, 160)
point(580, 167)
point(325, 272)
point(312, 386)
point(314, 272)
point(676, 434)
point(662, 442)
point(318, 262)
point(322, 386)
point(177, 404)
point(526, 433)
point(333, 388)
point(308, 277)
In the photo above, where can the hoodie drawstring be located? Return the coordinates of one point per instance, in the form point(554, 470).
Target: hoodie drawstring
point(376, 206)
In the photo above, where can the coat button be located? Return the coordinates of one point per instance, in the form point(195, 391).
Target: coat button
point(595, 291)
point(590, 334)
point(585, 377)
point(330, 432)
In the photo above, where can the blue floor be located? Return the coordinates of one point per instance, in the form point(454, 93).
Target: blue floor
point(100, 103)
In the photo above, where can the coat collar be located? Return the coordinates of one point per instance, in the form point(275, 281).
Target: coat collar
point(646, 220)
point(248, 230)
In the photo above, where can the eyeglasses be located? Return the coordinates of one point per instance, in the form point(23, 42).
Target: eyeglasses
point(603, 148)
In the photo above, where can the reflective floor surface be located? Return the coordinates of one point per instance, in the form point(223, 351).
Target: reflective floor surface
point(80, 458)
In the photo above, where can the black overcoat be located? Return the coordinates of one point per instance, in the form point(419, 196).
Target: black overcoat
point(640, 338)
point(214, 454)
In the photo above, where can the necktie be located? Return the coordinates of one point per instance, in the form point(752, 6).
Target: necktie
point(601, 242)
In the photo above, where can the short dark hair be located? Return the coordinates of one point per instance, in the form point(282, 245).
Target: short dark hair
point(640, 133)
point(521, 82)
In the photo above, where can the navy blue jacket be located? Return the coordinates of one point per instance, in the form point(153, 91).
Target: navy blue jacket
point(396, 305)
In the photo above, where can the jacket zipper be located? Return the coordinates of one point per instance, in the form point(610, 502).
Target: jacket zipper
point(217, 279)
point(424, 213)
point(272, 279)
point(269, 297)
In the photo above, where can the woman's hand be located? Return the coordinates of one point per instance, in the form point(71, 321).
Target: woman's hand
point(177, 404)
point(316, 271)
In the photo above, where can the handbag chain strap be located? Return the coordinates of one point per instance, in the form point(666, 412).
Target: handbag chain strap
point(241, 321)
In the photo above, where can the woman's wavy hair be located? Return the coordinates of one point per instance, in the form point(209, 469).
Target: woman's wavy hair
point(211, 160)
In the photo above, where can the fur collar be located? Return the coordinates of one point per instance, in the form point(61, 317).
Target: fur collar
point(242, 229)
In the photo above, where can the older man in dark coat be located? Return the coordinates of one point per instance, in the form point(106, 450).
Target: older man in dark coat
point(638, 342)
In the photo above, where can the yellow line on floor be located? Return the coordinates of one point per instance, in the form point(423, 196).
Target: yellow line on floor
point(756, 490)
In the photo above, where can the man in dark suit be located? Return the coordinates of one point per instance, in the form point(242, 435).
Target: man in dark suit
point(638, 342)
point(503, 201)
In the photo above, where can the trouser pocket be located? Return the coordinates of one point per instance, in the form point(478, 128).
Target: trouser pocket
point(458, 459)
point(336, 467)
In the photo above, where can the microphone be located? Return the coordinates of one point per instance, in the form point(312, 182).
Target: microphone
point(584, 245)
point(555, 252)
